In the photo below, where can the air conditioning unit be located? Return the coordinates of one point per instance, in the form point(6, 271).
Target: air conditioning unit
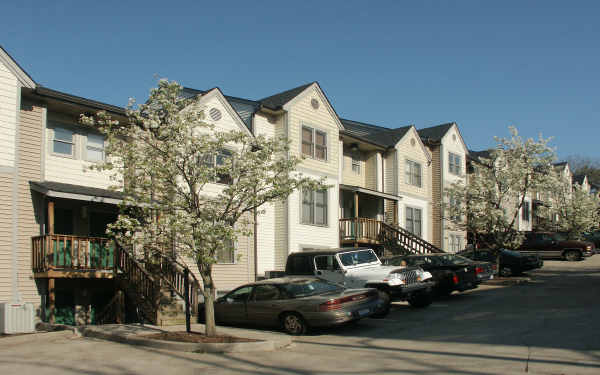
point(16, 317)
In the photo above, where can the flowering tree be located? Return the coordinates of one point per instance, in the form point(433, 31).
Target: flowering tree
point(189, 188)
point(573, 209)
point(488, 205)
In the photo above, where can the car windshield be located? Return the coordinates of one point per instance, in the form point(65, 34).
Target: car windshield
point(451, 259)
point(354, 258)
point(309, 287)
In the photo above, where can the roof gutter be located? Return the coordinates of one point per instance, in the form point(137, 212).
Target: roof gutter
point(53, 94)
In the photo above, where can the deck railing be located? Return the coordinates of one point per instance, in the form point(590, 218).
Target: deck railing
point(360, 229)
point(67, 252)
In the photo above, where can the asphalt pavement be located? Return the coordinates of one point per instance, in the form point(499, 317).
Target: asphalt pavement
point(549, 325)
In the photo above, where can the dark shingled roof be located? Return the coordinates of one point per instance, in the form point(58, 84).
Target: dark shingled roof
point(434, 133)
point(477, 155)
point(579, 178)
point(74, 189)
point(378, 135)
point(279, 100)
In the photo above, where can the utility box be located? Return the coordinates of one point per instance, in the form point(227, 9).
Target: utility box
point(16, 318)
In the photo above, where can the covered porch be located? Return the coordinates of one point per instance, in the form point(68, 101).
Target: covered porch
point(362, 213)
point(72, 260)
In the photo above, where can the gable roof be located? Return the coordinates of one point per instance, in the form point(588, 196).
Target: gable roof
point(580, 179)
point(435, 133)
point(378, 135)
point(12, 65)
point(277, 101)
point(477, 155)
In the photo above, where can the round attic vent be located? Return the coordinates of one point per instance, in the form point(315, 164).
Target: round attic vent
point(314, 103)
point(214, 114)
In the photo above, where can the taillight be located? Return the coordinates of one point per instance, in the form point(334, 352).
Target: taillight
point(455, 279)
point(335, 304)
point(494, 266)
point(478, 270)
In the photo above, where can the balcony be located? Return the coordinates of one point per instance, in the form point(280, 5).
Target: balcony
point(67, 256)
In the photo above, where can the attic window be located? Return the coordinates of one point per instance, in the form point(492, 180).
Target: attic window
point(413, 142)
point(454, 137)
point(314, 103)
point(214, 114)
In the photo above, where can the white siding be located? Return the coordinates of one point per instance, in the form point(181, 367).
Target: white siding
point(424, 206)
point(8, 116)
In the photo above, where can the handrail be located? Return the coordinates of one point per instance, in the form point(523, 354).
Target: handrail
point(174, 273)
point(394, 238)
point(69, 252)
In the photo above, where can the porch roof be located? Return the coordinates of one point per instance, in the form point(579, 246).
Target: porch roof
point(370, 192)
point(77, 192)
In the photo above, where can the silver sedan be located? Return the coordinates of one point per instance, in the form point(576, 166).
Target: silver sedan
point(295, 304)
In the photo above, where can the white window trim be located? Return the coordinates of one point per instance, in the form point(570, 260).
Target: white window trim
point(413, 208)
point(451, 159)
point(95, 148)
point(235, 256)
point(74, 143)
point(328, 200)
point(355, 161)
point(314, 130)
point(406, 163)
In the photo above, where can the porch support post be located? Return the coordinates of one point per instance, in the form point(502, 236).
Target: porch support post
point(356, 219)
point(52, 300)
point(50, 217)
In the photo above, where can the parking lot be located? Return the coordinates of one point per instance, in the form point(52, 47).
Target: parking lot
point(549, 325)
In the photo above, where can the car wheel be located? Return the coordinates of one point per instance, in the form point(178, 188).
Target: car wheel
point(384, 309)
point(506, 271)
point(572, 256)
point(293, 324)
point(420, 299)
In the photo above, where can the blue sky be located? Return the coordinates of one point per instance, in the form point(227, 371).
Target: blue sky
point(485, 65)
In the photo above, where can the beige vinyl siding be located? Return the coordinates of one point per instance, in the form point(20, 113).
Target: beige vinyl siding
point(6, 218)
point(414, 152)
point(30, 146)
point(280, 225)
point(300, 112)
point(371, 171)
point(349, 177)
point(390, 172)
point(71, 170)
point(8, 119)
point(452, 142)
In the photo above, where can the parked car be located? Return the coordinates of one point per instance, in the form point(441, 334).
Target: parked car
point(450, 272)
point(511, 262)
point(593, 237)
point(361, 268)
point(550, 245)
point(295, 304)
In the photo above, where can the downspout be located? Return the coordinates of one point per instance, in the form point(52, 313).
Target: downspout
point(16, 296)
point(442, 182)
point(255, 214)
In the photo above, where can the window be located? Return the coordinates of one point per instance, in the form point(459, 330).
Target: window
point(525, 211)
point(218, 160)
point(314, 143)
point(355, 161)
point(455, 204)
point(454, 163)
point(226, 255)
point(94, 148)
point(63, 142)
point(413, 220)
point(412, 173)
point(266, 292)
point(239, 295)
point(314, 207)
point(455, 243)
point(326, 263)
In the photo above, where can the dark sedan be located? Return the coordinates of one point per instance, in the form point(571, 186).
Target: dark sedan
point(511, 262)
point(294, 304)
point(449, 272)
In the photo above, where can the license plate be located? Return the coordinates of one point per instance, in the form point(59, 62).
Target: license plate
point(491, 277)
point(363, 312)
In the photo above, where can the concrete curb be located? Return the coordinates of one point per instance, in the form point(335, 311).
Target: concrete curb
point(35, 336)
point(140, 340)
point(507, 281)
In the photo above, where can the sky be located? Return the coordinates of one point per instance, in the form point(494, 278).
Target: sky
point(485, 65)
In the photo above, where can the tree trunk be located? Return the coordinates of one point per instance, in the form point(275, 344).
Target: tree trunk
point(208, 291)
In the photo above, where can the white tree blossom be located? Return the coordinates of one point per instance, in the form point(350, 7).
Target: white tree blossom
point(488, 205)
point(170, 161)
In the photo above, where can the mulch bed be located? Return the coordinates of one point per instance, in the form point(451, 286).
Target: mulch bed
point(196, 337)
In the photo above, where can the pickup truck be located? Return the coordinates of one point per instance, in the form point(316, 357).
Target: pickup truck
point(361, 268)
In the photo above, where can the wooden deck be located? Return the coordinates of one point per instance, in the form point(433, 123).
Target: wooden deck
point(67, 256)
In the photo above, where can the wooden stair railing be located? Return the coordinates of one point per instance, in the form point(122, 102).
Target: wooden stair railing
point(145, 289)
point(174, 274)
point(114, 311)
point(401, 240)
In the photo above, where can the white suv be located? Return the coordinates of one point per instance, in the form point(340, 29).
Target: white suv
point(361, 268)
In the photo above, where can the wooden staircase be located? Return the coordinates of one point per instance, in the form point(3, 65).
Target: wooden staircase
point(144, 283)
point(394, 239)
